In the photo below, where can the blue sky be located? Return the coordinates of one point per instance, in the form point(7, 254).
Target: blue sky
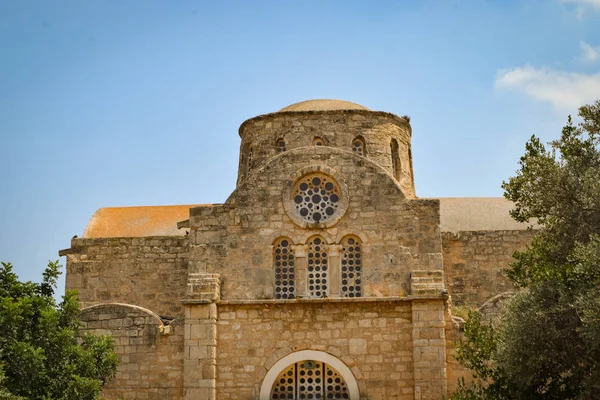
point(106, 103)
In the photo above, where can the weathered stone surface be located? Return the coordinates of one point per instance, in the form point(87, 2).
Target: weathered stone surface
point(223, 329)
point(474, 263)
point(150, 352)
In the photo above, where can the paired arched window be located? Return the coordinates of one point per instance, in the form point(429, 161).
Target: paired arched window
point(351, 260)
point(395, 159)
point(358, 146)
point(317, 141)
point(316, 268)
point(280, 145)
point(318, 285)
point(283, 260)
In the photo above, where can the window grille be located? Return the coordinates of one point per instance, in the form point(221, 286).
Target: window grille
point(281, 146)
point(318, 284)
point(309, 380)
point(358, 146)
point(283, 260)
point(351, 267)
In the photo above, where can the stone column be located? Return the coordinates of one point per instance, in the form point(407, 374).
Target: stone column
point(334, 263)
point(300, 268)
point(200, 337)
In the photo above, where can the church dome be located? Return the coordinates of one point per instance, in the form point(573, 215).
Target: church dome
point(323, 105)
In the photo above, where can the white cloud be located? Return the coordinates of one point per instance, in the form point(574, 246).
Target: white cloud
point(566, 91)
point(589, 53)
point(593, 3)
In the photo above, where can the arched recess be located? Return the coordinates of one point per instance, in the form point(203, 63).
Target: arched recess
point(120, 309)
point(397, 168)
point(280, 145)
point(315, 355)
point(359, 147)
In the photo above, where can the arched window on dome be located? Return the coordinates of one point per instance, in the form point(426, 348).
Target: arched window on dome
point(280, 144)
point(317, 141)
point(249, 158)
point(395, 159)
point(410, 165)
point(358, 146)
point(351, 270)
point(318, 269)
point(283, 263)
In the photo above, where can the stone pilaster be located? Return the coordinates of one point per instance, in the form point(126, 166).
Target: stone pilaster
point(429, 336)
point(200, 337)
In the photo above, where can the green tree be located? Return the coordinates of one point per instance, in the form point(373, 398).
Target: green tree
point(548, 342)
point(42, 355)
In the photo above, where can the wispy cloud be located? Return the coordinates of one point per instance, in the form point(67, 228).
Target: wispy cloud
point(589, 53)
point(566, 91)
point(593, 3)
point(583, 5)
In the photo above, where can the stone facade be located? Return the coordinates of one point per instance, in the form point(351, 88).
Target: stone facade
point(321, 276)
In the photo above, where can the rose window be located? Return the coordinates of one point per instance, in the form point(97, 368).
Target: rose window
point(316, 198)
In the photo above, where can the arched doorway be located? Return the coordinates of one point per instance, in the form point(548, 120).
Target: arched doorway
point(309, 375)
point(308, 379)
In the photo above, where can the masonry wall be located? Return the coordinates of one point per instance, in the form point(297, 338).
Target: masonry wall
point(374, 339)
point(150, 353)
point(337, 128)
point(150, 272)
point(474, 263)
point(399, 235)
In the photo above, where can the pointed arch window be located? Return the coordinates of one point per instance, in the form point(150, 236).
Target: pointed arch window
point(317, 141)
point(358, 146)
point(395, 159)
point(318, 270)
point(283, 261)
point(281, 145)
point(351, 270)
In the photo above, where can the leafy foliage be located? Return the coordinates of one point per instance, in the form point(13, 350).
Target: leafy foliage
point(548, 343)
point(41, 354)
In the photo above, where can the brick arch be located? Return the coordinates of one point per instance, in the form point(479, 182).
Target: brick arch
point(316, 355)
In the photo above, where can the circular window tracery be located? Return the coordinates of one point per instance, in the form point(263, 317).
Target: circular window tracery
point(316, 198)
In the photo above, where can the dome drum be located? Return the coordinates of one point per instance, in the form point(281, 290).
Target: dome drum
point(273, 134)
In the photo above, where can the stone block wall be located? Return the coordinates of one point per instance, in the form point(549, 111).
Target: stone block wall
point(474, 263)
point(150, 352)
point(337, 129)
point(373, 338)
point(398, 235)
point(150, 272)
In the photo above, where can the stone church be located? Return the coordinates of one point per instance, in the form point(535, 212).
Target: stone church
point(323, 275)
